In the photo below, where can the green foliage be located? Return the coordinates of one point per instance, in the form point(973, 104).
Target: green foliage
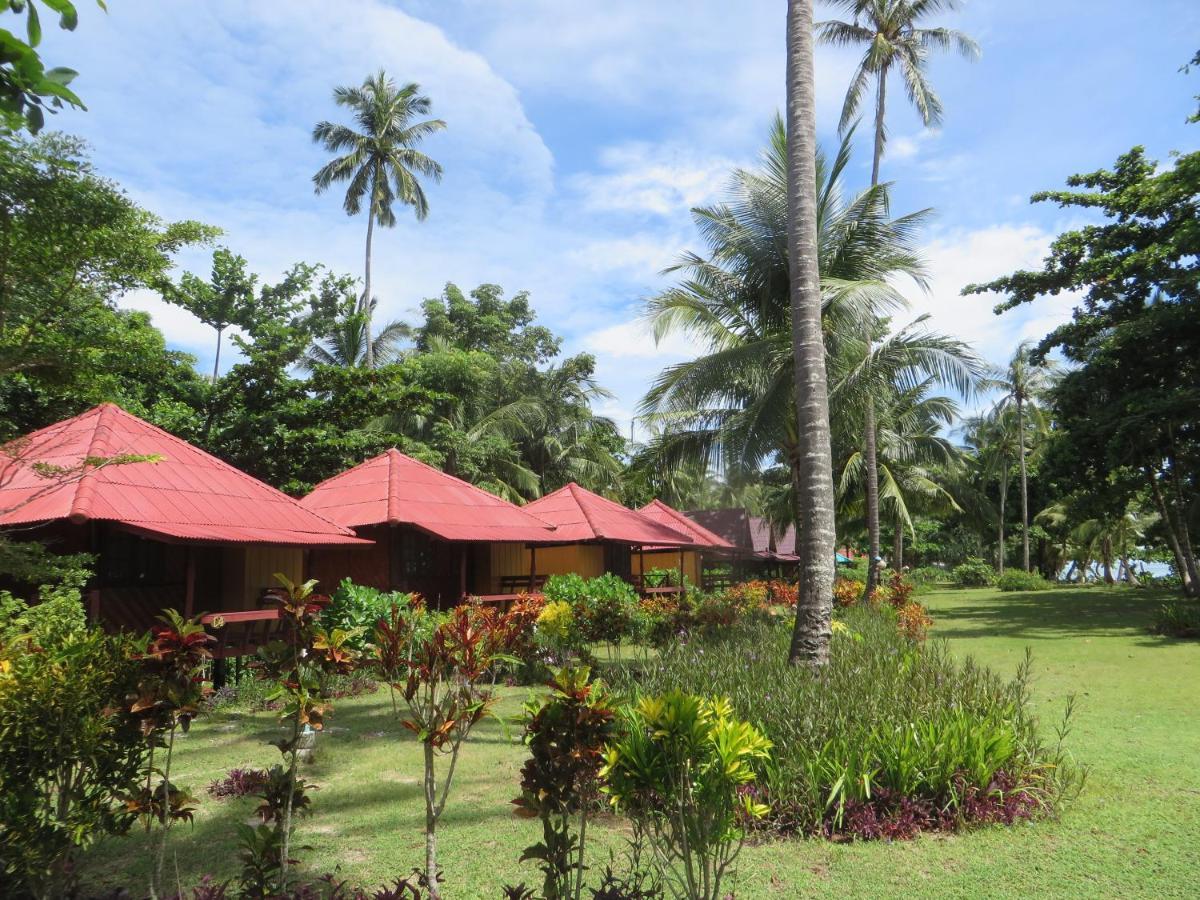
point(1020, 580)
point(602, 609)
point(1178, 618)
point(28, 90)
point(678, 771)
point(356, 609)
point(566, 733)
point(973, 573)
point(69, 753)
point(885, 714)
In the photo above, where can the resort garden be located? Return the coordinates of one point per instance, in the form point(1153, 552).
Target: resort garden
point(392, 608)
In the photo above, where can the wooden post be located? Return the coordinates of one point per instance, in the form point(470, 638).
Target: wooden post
point(682, 587)
point(532, 567)
point(189, 591)
point(393, 580)
point(462, 571)
point(642, 565)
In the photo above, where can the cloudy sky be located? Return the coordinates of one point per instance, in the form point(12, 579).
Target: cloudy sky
point(581, 133)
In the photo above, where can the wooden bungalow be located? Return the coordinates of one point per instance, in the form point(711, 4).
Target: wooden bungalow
point(433, 534)
point(170, 525)
point(597, 535)
point(706, 544)
point(758, 552)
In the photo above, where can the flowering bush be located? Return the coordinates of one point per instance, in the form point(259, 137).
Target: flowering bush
point(847, 591)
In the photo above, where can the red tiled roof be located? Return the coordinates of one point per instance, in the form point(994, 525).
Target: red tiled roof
point(580, 515)
point(396, 489)
point(187, 494)
point(665, 515)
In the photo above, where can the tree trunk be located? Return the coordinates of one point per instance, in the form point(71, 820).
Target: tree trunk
point(431, 871)
point(217, 361)
point(365, 306)
point(1106, 560)
point(1181, 566)
point(898, 546)
point(1024, 483)
point(1181, 524)
point(1003, 499)
point(815, 542)
point(1130, 576)
point(880, 106)
point(871, 463)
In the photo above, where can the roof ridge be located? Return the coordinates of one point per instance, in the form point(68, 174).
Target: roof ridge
point(393, 479)
point(81, 504)
point(571, 486)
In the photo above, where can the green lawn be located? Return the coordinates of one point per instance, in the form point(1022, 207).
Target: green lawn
point(1135, 831)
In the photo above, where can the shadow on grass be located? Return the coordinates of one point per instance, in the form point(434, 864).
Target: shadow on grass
point(1049, 615)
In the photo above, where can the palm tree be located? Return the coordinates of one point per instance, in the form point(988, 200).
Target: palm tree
point(813, 466)
point(992, 440)
point(1024, 382)
point(895, 41)
point(379, 160)
point(348, 342)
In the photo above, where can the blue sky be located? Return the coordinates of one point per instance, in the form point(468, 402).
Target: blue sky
point(581, 133)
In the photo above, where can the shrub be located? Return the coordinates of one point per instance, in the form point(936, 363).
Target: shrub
point(913, 621)
point(847, 591)
point(239, 783)
point(606, 613)
point(927, 576)
point(1179, 618)
point(884, 714)
point(974, 573)
point(70, 753)
point(895, 591)
point(356, 608)
point(784, 593)
point(680, 771)
point(1020, 580)
point(747, 596)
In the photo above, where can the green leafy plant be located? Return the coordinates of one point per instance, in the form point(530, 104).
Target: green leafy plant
point(356, 609)
point(566, 733)
point(680, 771)
point(1178, 618)
point(973, 573)
point(1019, 580)
point(446, 679)
point(170, 693)
point(296, 663)
point(70, 753)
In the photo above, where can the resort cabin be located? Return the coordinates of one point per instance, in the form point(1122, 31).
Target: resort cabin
point(706, 545)
point(170, 525)
point(432, 533)
point(596, 535)
point(758, 550)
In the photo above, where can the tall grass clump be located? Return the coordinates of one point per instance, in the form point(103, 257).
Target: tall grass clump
point(891, 738)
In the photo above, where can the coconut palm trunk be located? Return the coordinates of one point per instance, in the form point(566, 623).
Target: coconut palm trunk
point(815, 540)
point(871, 460)
point(880, 109)
point(1003, 503)
point(1024, 483)
point(365, 305)
point(898, 546)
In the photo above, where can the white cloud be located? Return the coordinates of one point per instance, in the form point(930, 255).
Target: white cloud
point(663, 179)
point(974, 257)
point(634, 339)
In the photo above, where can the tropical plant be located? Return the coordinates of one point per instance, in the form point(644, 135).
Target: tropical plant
point(296, 663)
point(895, 42)
point(348, 335)
point(170, 693)
point(1020, 580)
point(566, 733)
point(446, 679)
point(734, 403)
point(356, 609)
point(973, 573)
point(680, 770)
point(70, 753)
point(379, 160)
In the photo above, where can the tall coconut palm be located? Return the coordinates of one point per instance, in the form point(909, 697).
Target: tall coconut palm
point(895, 42)
point(349, 342)
point(992, 442)
point(1024, 382)
point(813, 468)
point(379, 160)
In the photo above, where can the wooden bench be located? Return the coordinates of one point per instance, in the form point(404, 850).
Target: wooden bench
point(514, 584)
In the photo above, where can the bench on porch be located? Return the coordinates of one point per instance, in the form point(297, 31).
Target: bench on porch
point(514, 584)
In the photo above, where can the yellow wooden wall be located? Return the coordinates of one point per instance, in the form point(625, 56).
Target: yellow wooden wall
point(246, 571)
point(669, 559)
point(513, 559)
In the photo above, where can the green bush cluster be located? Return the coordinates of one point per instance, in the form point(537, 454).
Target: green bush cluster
point(1020, 580)
point(604, 609)
point(1179, 618)
point(974, 573)
point(884, 715)
point(356, 609)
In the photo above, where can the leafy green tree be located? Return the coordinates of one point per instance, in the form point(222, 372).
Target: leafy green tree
point(895, 43)
point(484, 320)
point(28, 90)
point(379, 159)
point(226, 299)
point(346, 342)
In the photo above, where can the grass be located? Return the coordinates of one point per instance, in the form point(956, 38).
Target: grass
point(1135, 830)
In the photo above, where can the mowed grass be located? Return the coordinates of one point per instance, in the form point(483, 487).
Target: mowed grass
point(1134, 832)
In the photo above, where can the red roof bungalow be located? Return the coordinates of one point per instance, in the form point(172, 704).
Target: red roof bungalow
point(705, 543)
point(434, 534)
point(599, 535)
point(170, 524)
